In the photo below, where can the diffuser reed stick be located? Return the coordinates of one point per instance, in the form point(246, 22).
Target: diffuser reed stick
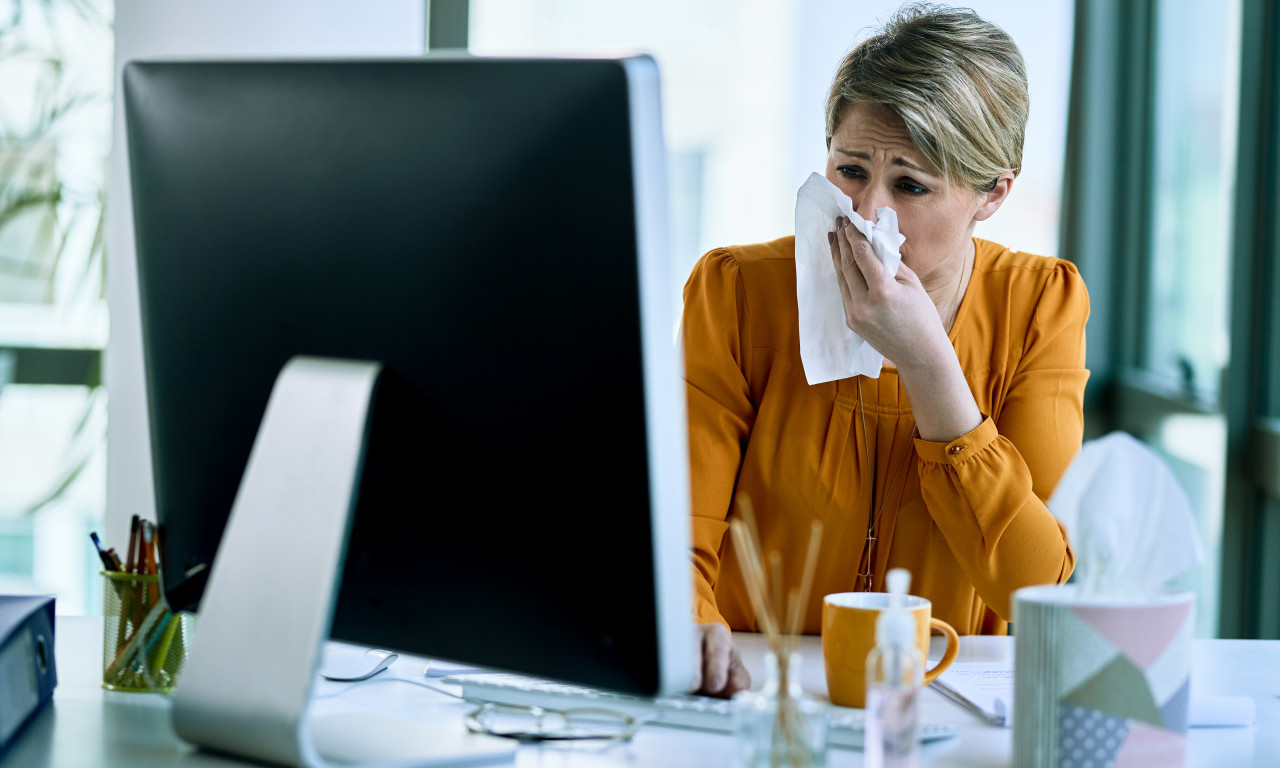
point(778, 611)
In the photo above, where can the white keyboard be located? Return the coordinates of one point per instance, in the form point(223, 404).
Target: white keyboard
point(696, 712)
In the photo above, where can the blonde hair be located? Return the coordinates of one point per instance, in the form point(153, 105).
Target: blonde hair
point(957, 82)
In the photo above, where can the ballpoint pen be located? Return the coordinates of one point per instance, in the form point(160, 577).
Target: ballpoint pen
point(997, 719)
point(104, 556)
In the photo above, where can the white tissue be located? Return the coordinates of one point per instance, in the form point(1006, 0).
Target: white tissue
point(828, 349)
point(1127, 517)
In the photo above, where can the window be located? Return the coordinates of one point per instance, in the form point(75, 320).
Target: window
point(1193, 126)
point(55, 133)
point(744, 90)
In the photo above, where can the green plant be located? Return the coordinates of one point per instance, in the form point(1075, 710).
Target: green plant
point(52, 199)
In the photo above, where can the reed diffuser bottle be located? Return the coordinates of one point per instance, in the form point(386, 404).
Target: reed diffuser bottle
point(780, 725)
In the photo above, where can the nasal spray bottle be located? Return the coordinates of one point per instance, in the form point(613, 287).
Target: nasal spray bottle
point(895, 676)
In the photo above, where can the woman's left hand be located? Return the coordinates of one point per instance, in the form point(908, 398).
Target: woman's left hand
point(892, 312)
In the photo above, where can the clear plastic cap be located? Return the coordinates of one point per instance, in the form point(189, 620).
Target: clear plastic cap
point(896, 626)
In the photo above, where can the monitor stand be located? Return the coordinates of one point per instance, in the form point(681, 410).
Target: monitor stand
point(268, 607)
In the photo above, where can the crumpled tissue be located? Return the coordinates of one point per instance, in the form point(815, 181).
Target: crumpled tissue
point(1103, 665)
point(828, 349)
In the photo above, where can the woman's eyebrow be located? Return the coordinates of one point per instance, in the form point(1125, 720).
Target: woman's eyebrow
point(904, 162)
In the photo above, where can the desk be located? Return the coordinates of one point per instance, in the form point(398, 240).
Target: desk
point(88, 727)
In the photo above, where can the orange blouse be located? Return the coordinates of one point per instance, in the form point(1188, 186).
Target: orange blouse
point(967, 518)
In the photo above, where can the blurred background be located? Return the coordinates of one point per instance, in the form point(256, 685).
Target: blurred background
point(1151, 158)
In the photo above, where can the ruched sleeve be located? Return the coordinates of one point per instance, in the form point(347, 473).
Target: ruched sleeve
point(721, 412)
point(986, 490)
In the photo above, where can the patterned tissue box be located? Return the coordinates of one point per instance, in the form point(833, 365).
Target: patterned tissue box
point(1101, 682)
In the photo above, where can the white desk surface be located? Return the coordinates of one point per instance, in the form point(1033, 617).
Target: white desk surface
point(88, 727)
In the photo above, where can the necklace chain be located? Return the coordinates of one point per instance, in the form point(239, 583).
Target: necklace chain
point(956, 298)
point(866, 568)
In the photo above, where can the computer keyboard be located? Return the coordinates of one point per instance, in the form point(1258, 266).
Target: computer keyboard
point(696, 712)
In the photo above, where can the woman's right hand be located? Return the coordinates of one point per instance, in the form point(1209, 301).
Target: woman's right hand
point(721, 672)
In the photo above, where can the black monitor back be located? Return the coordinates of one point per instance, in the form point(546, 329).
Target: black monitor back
point(471, 224)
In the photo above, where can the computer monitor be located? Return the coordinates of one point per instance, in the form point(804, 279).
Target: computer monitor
point(493, 233)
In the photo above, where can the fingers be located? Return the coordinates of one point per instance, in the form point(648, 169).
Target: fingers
point(871, 270)
point(722, 672)
point(843, 241)
point(837, 261)
point(697, 668)
point(739, 677)
point(906, 276)
point(717, 659)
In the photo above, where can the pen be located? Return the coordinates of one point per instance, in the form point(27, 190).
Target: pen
point(115, 560)
point(105, 557)
point(161, 656)
point(148, 564)
point(132, 646)
point(133, 545)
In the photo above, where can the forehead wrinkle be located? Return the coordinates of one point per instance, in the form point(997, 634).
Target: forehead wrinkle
point(897, 160)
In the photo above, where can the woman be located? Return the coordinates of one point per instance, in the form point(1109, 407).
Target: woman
point(941, 464)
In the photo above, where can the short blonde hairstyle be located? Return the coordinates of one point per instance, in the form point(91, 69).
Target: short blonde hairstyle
point(957, 82)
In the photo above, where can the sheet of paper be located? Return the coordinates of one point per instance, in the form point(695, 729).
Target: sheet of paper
point(1208, 711)
point(985, 685)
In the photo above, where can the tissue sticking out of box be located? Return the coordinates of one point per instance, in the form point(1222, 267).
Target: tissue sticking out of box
point(1128, 519)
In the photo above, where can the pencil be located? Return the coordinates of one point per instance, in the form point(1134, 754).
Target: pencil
point(148, 565)
point(118, 667)
point(131, 552)
point(162, 653)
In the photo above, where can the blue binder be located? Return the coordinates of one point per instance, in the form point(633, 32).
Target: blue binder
point(27, 671)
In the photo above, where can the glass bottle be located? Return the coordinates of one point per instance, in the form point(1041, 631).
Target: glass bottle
point(780, 726)
point(895, 676)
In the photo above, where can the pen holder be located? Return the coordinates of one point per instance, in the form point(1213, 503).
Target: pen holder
point(144, 644)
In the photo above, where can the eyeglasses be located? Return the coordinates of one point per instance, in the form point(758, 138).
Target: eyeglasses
point(535, 724)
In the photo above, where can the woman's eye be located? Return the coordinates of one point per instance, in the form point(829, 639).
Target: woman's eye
point(912, 188)
point(850, 171)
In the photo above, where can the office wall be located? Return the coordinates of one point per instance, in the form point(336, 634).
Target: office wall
point(205, 29)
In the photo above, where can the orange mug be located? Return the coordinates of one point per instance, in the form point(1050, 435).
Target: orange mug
point(849, 634)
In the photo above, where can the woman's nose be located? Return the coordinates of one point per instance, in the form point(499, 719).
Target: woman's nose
point(868, 200)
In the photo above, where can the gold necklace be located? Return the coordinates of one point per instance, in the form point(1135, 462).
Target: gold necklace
point(865, 570)
point(956, 298)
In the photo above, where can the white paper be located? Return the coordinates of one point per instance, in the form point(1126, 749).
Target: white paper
point(1207, 711)
point(986, 685)
point(828, 349)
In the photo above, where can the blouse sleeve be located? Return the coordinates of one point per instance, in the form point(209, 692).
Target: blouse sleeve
point(721, 411)
point(986, 490)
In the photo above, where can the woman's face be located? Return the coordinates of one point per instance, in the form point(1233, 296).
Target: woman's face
point(873, 161)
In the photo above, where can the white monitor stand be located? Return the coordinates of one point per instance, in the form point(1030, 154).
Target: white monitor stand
point(268, 606)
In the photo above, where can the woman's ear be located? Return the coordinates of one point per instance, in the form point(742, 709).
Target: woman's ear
point(990, 202)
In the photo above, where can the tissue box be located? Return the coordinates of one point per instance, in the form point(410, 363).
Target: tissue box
point(1101, 681)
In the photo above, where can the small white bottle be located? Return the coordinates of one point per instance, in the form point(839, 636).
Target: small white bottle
point(895, 676)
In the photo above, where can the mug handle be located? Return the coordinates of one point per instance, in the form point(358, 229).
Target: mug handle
point(949, 655)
